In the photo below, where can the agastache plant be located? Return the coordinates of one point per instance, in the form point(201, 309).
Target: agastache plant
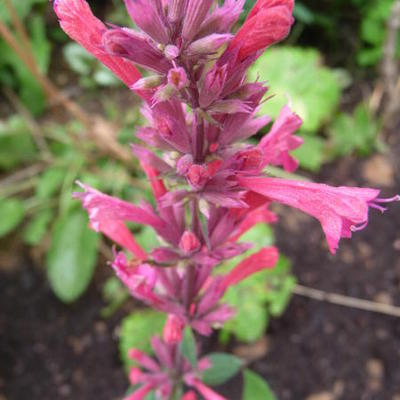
point(208, 183)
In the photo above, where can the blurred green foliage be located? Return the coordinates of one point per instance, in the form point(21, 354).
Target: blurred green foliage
point(13, 73)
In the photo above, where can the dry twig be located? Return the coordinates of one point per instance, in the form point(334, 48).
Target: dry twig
point(347, 301)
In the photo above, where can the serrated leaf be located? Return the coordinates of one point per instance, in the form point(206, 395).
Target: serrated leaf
point(72, 256)
point(50, 182)
point(188, 347)
point(223, 367)
point(37, 227)
point(12, 212)
point(136, 332)
point(256, 388)
point(292, 74)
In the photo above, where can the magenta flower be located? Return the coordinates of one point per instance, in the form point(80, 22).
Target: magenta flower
point(208, 183)
point(341, 210)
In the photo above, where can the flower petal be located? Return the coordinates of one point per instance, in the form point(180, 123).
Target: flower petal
point(78, 22)
point(337, 208)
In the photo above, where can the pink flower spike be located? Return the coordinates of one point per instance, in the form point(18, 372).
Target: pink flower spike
point(341, 210)
point(173, 328)
point(78, 22)
point(267, 257)
point(280, 140)
point(204, 390)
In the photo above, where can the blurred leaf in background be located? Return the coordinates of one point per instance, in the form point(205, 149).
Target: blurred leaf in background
point(373, 31)
point(16, 144)
point(72, 256)
point(260, 296)
point(92, 73)
point(354, 133)
point(136, 329)
point(12, 211)
point(13, 72)
point(297, 76)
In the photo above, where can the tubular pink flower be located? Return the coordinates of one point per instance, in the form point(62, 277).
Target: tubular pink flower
point(78, 22)
point(195, 14)
point(280, 140)
point(103, 208)
point(144, 360)
point(268, 22)
point(222, 18)
point(147, 15)
point(119, 233)
point(341, 210)
point(267, 257)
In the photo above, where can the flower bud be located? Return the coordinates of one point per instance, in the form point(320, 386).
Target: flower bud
point(197, 176)
point(184, 163)
point(171, 52)
point(173, 328)
point(147, 83)
point(250, 159)
point(189, 243)
point(208, 45)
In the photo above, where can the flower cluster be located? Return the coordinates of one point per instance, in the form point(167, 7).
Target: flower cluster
point(208, 181)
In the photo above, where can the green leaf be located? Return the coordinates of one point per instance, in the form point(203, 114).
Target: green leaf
point(292, 73)
point(188, 347)
point(12, 212)
point(223, 367)
point(354, 133)
point(50, 182)
point(38, 227)
point(262, 295)
point(373, 32)
point(72, 256)
point(16, 144)
point(256, 388)
point(311, 153)
point(251, 319)
point(136, 332)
